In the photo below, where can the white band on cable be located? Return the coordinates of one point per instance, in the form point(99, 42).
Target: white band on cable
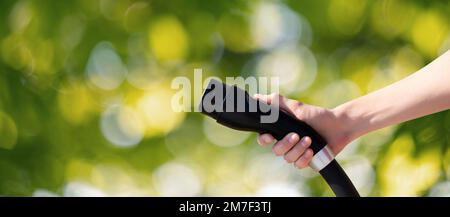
point(321, 159)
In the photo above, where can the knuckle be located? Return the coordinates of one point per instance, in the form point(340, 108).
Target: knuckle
point(288, 158)
point(298, 104)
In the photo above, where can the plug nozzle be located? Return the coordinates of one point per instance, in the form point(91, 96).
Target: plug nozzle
point(212, 103)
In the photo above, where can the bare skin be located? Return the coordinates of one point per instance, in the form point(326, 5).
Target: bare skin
point(424, 92)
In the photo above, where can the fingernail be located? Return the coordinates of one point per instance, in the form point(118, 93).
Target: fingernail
point(293, 138)
point(303, 142)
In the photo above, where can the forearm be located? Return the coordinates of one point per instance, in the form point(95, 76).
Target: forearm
point(425, 92)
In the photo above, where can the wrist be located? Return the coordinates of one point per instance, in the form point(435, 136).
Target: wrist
point(351, 123)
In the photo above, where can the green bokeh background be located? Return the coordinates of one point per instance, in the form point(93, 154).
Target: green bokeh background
point(85, 94)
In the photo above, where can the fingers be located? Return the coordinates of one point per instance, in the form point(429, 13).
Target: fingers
point(298, 150)
point(265, 139)
point(294, 151)
point(284, 145)
point(304, 160)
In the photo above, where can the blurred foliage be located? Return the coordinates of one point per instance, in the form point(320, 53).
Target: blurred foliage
point(85, 94)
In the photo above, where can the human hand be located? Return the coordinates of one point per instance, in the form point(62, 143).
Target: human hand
point(295, 149)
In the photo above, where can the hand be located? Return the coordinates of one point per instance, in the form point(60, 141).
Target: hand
point(295, 149)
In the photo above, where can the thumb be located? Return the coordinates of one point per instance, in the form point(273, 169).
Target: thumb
point(261, 97)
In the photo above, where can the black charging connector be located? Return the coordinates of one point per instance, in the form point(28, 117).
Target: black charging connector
point(234, 108)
